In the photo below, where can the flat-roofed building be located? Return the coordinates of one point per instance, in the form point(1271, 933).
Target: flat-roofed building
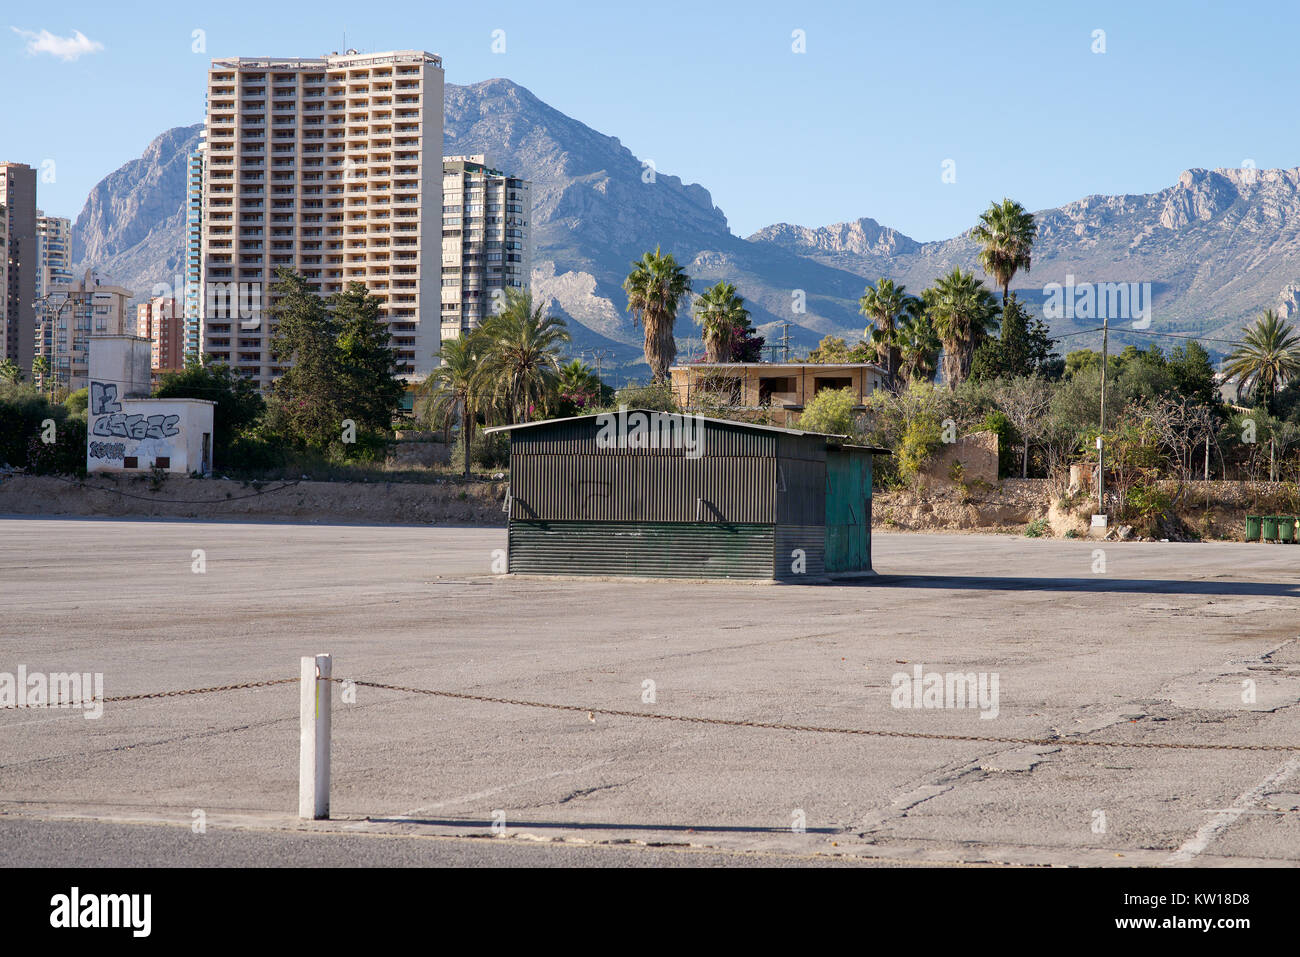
point(783, 387)
point(486, 240)
point(330, 167)
point(162, 321)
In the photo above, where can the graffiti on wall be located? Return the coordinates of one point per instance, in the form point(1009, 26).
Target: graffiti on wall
point(137, 426)
point(107, 420)
point(107, 450)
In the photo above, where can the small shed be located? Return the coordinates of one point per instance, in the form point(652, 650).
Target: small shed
point(653, 494)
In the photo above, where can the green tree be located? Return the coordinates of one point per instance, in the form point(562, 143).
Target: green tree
point(1193, 374)
point(963, 312)
point(832, 350)
point(10, 371)
point(238, 404)
point(306, 398)
point(1006, 232)
point(655, 288)
point(918, 348)
point(724, 317)
point(449, 392)
point(521, 356)
point(1267, 359)
point(368, 391)
point(886, 304)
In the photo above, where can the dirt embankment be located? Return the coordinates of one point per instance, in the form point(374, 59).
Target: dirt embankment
point(1208, 510)
point(405, 503)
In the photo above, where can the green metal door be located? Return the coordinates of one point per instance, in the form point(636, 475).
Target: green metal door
point(848, 511)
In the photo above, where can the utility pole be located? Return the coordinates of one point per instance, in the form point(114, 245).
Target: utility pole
point(1101, 480)
point(785, 341)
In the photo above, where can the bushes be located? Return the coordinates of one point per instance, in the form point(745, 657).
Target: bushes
point(831, 411)
point(1008, 443)
point(485, 451)
point(66, 455)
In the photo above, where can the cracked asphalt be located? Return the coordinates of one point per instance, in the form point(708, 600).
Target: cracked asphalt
point(1173, 643)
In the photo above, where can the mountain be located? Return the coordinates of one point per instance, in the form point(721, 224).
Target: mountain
point(1218, 246)
point(132, 228)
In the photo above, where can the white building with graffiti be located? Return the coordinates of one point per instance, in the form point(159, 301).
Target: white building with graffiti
point(130, 432)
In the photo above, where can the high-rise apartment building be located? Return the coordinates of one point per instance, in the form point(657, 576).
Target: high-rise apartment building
point(53, 269)
point(161, 320)
point(486, 240)
point(72, 314)
point(332, 168)
point(53, 252)
point(193, 295)
point(18, 323)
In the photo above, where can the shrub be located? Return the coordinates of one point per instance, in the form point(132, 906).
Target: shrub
point(1008, 443)
point(1037, 528)
point(66, 455)
point(831, 411)
point(485, 451)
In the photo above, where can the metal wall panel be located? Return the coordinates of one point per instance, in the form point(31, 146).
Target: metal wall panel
point(808, 539)
point(580, 438)
point(848, 511)
point(649, 549)
point(635, 487)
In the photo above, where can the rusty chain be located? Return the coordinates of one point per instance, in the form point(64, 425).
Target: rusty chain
point(771, 726)
point(591, 712)
point(188, 691)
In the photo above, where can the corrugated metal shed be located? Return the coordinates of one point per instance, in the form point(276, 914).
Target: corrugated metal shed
point(666, 495)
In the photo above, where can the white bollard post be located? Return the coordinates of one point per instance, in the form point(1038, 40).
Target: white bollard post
point(314, 738)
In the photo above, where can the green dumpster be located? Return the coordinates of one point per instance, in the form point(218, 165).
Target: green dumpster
point(1286, 529)
point(1270, 527)
point(1252, 528)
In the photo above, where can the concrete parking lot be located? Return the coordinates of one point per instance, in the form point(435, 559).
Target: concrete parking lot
point(1170, 644)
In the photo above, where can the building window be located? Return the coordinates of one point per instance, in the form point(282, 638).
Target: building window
point(130, 462)
point(162, 462)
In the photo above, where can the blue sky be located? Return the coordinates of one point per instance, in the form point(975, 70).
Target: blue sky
point(858, 125)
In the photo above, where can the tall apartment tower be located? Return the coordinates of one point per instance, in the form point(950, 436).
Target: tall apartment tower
point(18, 324)
point(486, 239)
point(193, 296)
point(330, 167)
point(53, 252)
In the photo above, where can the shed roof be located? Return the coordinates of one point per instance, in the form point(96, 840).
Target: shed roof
point(839, 441)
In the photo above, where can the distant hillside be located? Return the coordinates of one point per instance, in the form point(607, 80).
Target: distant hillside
point(1218, 246)
point(132, 228)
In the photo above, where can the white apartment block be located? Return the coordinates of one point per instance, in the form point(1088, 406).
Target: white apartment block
point(486, 240)
point(69, 316)
point(332, 168)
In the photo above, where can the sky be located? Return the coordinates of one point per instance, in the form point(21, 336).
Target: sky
point(916, 114)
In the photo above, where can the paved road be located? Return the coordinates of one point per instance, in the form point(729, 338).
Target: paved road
point(1154, 648)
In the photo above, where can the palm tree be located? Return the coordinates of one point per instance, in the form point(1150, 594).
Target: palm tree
point(962, 312)
point(10, 371)
point(655, 287)
point(885, 304)
point(578, 388)
point(450, 389)
point(722, 313)
point(521, 355)
point(41, 374)
point(1268, 357)
point(1007, 234)
point(918, 346)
